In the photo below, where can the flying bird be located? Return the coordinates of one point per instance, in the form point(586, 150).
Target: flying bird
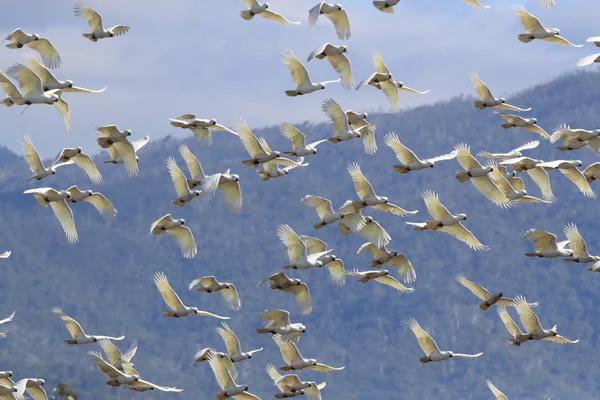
point(489, 299)
point(258, 149)
point(226, 182)
point(36, 165)
point(335, 265)
point(57, 200)
point(324, 210)
point(444, 221)
point(479, 175)
point(578, 246)
point(103, 205)
point(75, 155)
point(94, 20)
point(382, 276)
point(31, 91)
point(12, 390)
point(278, 322)
point(42, 45)
point(336, 55)
point(430, 348)
point(294, 286)
point(530, 124)
point(6, 254)
point(227, 383)
point(410, 162)
point(109, 134)
point(368, 197)
point(294, 360)
point(5, 321)
point(262, 10)
point(535, 29)
point(343, 131)
point(125, 152)
point(545, 244)
point(50, 82)
point(514, 153)
point(177, 229)
point(299, 145)
point(78, 336)
point(534, 328)
point(336, 14)
point(202, 128)
point(569, 169)
point(387, 6)
point(298, 252)
point(209, 284)
point(271, 168)
point(585, 61)
point(184, 194)
point(178, 309)
point(383, 256)
point(365, 227)
point(233, 345)
point(382, 79)
point(300, 76)
point(574, 139)
point(537, 174)
point(487, 99)
point(291, 386)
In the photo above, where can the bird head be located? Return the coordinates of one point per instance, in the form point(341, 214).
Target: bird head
point(36, 37)
point(70, 83)
point(534, 120)
point(79, 150)
point(53, 172)
point(195, 310)
point(369, 220)
point(111, 34)
point(197, 193)
point(235, 177)
point(246, 388)
point(266, 6)
point(182, 221)
point(358, 134)
point(303, 328)
point(489, 169)
point(502, 100)
point(321, 86)
point(578, 162)
point(333, 258)
point(344, 48)
point(89, 193)
point(395, 253)
point(314, 151)
point(313, 362)
point(429, 164)
point(68, 196)
point(385, 200)
point(95, 340)
point(399, 84)
point(596, 132)
point(213, 121)
point(450, 354)
point(277, 154)
point(523, 192)
point(462, 216)
point(227, 286)
point(127, 132)
point(339, 7)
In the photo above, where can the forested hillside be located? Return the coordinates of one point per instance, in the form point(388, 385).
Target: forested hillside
point(105, 281)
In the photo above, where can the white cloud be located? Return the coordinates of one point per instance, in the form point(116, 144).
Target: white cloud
point(202, 57)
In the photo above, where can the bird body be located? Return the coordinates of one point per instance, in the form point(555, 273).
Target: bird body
point(95, 23)
point(335, 13)
point(262, 10)
point(233, 346)
point(430, 348)
point(176, 228)
point(382, 276)
point(383, 256)
point(324, 210)
point(78, 336)
point(533, 326)
point(294, 359)
point(278, 322)
point(487, 99)
point(109, 134)
point(545, 244)
point(48, 196)
point(536, 30)
point(42, 45)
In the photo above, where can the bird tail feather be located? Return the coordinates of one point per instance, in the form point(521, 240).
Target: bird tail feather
point(263, 175)
point(345, 229)
point(364, 280)
point(525, 37)
point(484, 306)
point(14, 45)
point(380, 5)
point(179, 203)
point(90, 37)
point(462, 176)
point(401, 169)
point(479, 105)
point(506, 126)
point(263, 330)
point(286, 368)
point(250, 163)
point(514, 342)
point(531, 254)
point(247, 15)
point(319, 225)
point(292, 93)
point(375, 264)
point(424, 359)
point(289, 153)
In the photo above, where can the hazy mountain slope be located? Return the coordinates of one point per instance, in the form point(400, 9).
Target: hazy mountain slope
point(105, 281)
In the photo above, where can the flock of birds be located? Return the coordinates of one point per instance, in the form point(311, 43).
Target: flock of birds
point(493, 179)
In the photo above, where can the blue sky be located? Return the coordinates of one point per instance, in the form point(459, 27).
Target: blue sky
point(201, 57)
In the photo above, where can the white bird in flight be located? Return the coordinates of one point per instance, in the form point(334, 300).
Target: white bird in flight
point(383, 256)
point(444, 221)
point(387, 6)
point(569, 169)
point(278, 322)
point(410, 162)
point(336, 14)
point(229, 388)
point(42, 45)
point(57, 200)
point(294, 286)
point(514, 153)
point(5, 321)
point(172, 300)
point(382, 276)
point(382, 79)
point(343, 131)
point(294, 360)
point(78, 336)
point(75, 155)
point(94, 20)
point(536, 30)
point(299, 146)
point(578, 246)
point(336, 55)
point(545, 244)
point(533, 326)
point(177, 229)
point(430, 348)
point(50, 82)
point(209, 284)
point(489, 298)
point(300, 76)
point(262, 10)
point(232, 343)
point(487, 99)
point(184, 194)
point(103, 205)
point(124, 152)
point(202, 128)
point(530, 124)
